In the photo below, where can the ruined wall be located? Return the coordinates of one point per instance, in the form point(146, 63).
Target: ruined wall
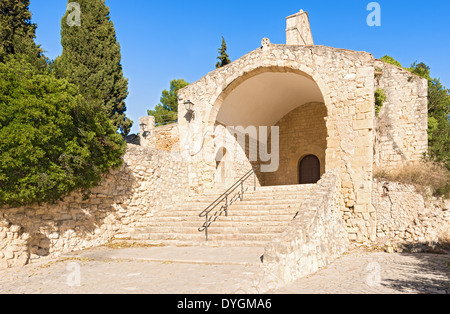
point(150, 180)
point(401, 129)
point(405, 217)
point(166, 137)
point(315, 237)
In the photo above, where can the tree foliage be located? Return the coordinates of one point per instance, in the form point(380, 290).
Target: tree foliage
point(91, 59)
point(52, 141)
point(167, 110)
point(380, 98)
point(223, 56)
point(17, 33)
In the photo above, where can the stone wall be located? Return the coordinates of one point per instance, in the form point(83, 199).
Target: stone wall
point(315, 237)
point(302, 132)
point(401, 129)
point(150, 180)
point(405, 217)
point(165, 137)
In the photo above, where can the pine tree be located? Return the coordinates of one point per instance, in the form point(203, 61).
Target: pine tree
point(17, 33)
point(167, 110)
point(223, 56)
point(91, 59)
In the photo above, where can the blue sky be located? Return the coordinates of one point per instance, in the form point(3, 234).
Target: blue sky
point(163, 40)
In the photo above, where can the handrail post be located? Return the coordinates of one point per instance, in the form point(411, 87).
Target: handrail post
point(242, 191)
point(206, 227)
point(254, 181)
point(226, 205)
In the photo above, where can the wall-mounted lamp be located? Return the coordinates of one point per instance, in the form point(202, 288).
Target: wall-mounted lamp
point(144, 133)
point(189, 106)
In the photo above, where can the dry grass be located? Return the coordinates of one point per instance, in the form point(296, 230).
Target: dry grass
point(425, 176)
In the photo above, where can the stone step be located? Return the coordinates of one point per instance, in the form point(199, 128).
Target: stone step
point(221, 222)
point(214, 229)
point(187, 243)
point(233, 212)
point(254, 196)
point(233, 215)
point(271, 189)
point(262, 203)
point(200, 236)
point(243, 205)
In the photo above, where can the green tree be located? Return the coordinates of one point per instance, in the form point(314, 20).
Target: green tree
point(17, 33)
point(91, 60)
point(52, 141)
point(167, 110)
point(223, 56)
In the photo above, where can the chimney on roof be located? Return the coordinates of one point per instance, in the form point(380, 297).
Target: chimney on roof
point(298, 31)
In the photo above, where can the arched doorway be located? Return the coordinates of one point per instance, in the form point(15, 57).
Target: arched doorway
point(290, 101)
point(309, 170)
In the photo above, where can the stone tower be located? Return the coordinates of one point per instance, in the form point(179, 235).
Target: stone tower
point(298, 31)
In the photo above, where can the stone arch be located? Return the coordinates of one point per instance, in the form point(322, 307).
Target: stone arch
point(237, 77)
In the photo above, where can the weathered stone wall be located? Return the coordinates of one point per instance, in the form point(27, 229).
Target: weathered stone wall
point(315, 237)
point(149, 181)
point(401, 129)
point(302, 132)
point(166, 137)
point(236, 154)
point(405, 217)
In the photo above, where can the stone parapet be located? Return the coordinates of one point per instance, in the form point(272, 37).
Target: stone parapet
point(315, 237)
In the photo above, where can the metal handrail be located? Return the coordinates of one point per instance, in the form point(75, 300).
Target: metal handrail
point(225, 197)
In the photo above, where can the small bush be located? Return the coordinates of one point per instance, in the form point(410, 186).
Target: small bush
point(380, 98)
point(423, 175)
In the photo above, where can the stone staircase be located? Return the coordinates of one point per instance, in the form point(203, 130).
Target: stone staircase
point(258, 219)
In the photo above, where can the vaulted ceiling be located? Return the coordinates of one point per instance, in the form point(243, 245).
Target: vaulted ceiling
point(264, 99)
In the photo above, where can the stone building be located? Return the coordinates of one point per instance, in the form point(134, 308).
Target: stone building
point(321, 99)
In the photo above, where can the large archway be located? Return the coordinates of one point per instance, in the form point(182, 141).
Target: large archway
point(290, 101)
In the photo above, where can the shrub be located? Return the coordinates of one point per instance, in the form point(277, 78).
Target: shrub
point(380, 98)
point(422, 175)
point(52, 141)
point(390, 60)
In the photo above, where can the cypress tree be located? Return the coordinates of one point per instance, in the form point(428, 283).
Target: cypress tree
point(223, 56)
point(17, 33)
point(91, 59)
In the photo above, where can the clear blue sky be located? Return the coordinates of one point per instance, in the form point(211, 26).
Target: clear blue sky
point(163, 40)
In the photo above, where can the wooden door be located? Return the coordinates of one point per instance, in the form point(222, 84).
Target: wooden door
point(309, 170)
